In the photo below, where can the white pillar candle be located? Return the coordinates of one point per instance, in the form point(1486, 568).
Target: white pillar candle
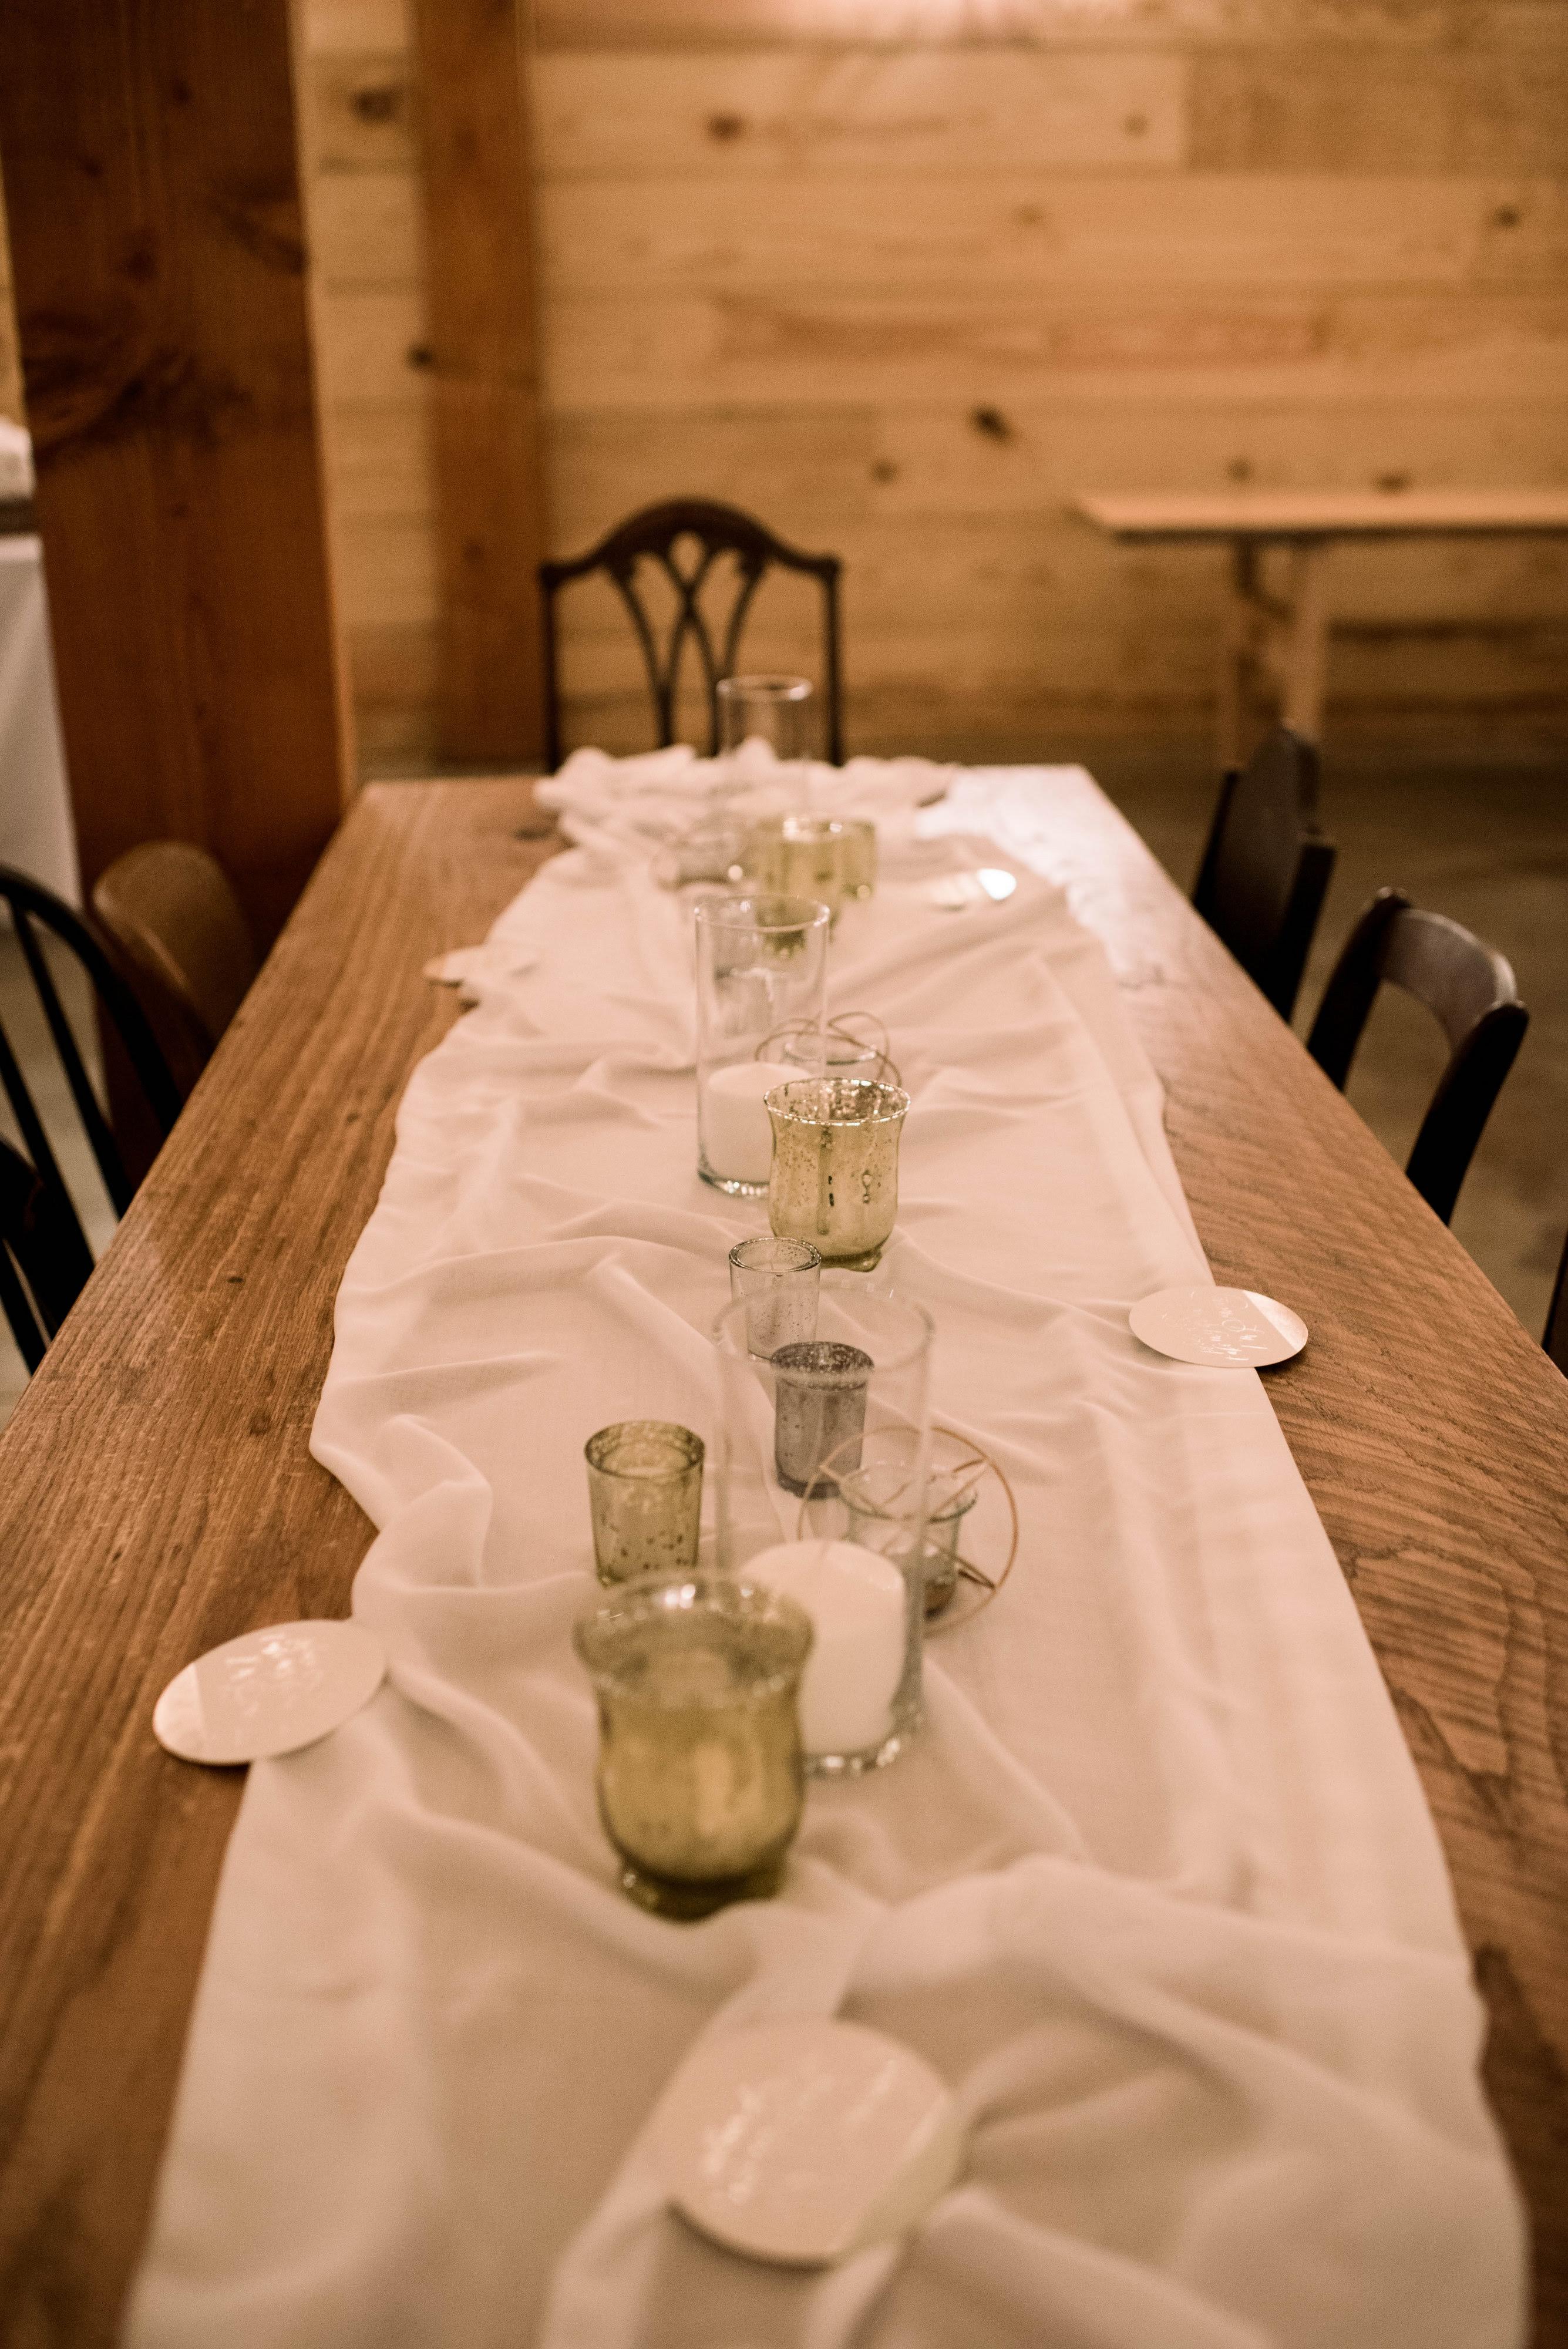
point(858, 1604)
point(737, 1133)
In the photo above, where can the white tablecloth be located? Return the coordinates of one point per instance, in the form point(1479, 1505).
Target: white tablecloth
point(1155, 1890)
point(35, 831)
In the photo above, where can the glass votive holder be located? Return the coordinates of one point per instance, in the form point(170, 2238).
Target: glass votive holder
point(834, 1180)
point(819, 1413)
point(701, 1770)
point(778, 1279)
point(644, 1497)
point(761, 964)
point(859, 856)
point(793, 1429)
point(773, 709)
point(875, 1489)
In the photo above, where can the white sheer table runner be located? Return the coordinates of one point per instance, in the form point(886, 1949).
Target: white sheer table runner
point(1155, 1890)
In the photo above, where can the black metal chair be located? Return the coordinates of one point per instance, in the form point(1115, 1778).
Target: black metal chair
point(38, 1219)
point(1470, 990)
point(44, 1259)
point(1266, 867)
point(653, 535)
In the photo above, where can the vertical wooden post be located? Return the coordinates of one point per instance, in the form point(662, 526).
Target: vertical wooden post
point(489, 519)
point(151, 184)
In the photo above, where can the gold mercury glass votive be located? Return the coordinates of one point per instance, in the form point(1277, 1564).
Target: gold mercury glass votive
point(800, 857)
point(700, 1775)
point(644, 1497)
point(834, 1178)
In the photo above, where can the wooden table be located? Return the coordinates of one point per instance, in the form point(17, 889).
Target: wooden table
point(1275, 655)
point(156, 1496)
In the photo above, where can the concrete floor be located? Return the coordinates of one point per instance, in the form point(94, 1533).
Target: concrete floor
point(1488, 844)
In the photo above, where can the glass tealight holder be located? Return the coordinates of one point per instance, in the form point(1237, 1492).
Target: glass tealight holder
point(644, 1497)
point(793, 1428)
point(701, 1771)
point(761, 964)
point(772, 709)
point(779, 1279)
point(834, 1180)
point(875, 1489)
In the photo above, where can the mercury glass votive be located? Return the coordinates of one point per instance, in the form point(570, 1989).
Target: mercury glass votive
point(799, 856)
point(835, 1175)
point(779, 1280)
point(819, 1413)
point(644, 1497)
point(700, 1776)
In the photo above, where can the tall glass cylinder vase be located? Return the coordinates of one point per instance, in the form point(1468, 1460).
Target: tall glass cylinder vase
point(761, 964)
point(793, 1427)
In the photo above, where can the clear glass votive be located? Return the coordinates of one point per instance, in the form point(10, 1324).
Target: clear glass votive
point(778, 1279)
point(859, 856)
point(773, 709)
point(834, 1180)
point(793, 1429)
point(644, 1497)
point(834, 1056)
point(800, 855)
point(710, 854)
point(762, 963)
point(701, 1773)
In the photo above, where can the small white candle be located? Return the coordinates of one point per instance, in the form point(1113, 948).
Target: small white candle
point(737, 1133)
point(856, 1603)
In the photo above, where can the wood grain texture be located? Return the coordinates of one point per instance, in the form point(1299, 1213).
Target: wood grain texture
point(1047, 24)
point(153, 190)
point(489, 512)
point(169, 1429)
point(156, 1496)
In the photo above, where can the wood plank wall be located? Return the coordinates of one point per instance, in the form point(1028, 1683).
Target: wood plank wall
point(905, 276)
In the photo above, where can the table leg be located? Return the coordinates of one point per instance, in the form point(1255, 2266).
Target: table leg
point(1273, 660)
point(1304, 644)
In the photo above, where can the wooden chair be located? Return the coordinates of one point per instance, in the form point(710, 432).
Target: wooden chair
point(169, 910)
point(1467, 987)
point(1556, 1337)
point(1266, 867)
point(42, 1229)
point(654, 535)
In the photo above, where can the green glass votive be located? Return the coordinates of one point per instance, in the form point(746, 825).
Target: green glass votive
point(834, 1178)
point(644, 1497)
point(700, 1775)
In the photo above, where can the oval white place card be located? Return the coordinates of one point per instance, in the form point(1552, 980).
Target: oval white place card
point(269, 1692)
point(803, 2141)
point(1222, 1329)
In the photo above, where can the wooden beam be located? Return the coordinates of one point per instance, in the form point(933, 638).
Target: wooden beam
point(484, 357)
point(151, 185)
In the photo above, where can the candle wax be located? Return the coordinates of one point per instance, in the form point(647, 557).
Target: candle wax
point(737, 1133)
point(857, 1602)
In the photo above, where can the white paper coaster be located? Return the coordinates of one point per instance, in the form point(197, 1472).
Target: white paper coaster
point(804, 2141)
point(268, 1692)
point(1223, 1329)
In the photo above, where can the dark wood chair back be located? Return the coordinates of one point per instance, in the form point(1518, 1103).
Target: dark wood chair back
point(55, 1224)
point(1470, 990)
point(44, 1259)
point(168, 908)
point(1266, 867)
point(710, 532)
point(1555, 1339)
